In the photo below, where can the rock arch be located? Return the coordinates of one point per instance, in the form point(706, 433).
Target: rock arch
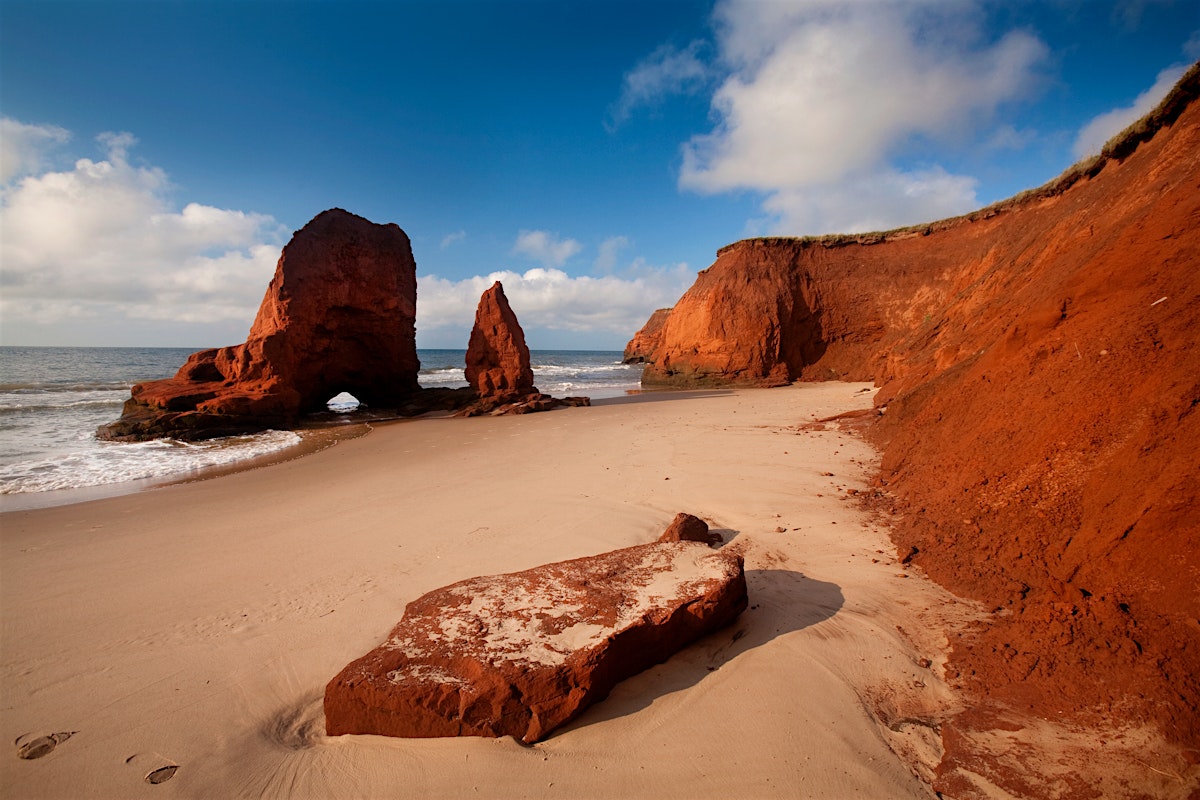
point(339, 315)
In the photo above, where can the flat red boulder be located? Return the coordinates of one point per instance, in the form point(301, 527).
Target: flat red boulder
point(521, 654)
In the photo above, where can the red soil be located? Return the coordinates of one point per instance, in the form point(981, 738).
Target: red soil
point(1043, 432)
point(1040, 372)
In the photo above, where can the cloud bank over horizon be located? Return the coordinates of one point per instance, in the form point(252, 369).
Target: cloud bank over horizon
point(549, 300)
point(96, 247)
point(99, 243)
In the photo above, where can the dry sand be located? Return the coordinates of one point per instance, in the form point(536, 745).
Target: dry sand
point(196, 625)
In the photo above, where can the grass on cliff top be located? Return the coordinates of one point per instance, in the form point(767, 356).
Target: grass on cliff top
point(1118, 148)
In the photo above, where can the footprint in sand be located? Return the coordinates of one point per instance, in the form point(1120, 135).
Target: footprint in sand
point(160, 774)
point(29, 748)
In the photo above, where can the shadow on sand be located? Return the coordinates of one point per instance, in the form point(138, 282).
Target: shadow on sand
point(781, 601)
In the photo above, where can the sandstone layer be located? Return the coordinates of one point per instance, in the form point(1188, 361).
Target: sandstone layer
point(338, 316)
point(1040, 379)
point(521, 654)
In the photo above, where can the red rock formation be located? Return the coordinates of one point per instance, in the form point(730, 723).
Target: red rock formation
point(687, 528)
point(338, 316)
point(647, 340)
point(497, 356)
point(498, 366)
point(520, 654)
point(1041, 379)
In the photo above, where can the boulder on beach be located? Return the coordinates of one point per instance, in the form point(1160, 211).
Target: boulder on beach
point(339, 315)
point(688, 528)
point(521, 654)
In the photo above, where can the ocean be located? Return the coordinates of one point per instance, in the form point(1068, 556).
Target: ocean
point(52, 399)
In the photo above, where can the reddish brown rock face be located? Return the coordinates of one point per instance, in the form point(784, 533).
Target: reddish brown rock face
point(498, 365)
point(520, 654)
point(643, 344)
point(1041, 379)
point(497, 358)
point(338, 316)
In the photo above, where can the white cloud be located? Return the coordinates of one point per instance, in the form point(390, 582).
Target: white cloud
point(606, 259)
point(610, 307)
point(822, 96)
point(545, 247)
point(102, 241)
point(23, 147)
point(665, 72)
point(1093, 136)
point(921, 195)
point(451, 238)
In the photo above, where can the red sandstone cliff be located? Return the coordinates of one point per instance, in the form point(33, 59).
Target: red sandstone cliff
point(647, 340)
point(1040, 370)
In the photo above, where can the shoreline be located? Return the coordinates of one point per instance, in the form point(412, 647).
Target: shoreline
point(197, 624)
point(312, 440)
point(323, 431)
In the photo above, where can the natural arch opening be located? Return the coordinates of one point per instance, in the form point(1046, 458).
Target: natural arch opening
point(343, 403)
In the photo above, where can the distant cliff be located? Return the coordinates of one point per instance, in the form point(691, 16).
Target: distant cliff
point(646, 341)
point(1039, 372)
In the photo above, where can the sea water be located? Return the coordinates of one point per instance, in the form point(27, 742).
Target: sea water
point(52, 399)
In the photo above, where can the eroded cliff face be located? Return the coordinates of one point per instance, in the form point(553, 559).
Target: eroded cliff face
point(1039, 365)
point(645, 341)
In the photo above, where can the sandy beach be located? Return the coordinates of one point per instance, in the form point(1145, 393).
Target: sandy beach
point(196, 625)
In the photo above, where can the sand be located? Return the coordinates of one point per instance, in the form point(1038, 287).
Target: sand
point(196, 625)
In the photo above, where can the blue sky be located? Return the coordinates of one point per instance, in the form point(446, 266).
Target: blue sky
point(592, 155)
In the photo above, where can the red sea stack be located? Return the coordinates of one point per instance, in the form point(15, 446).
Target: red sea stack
point(338, 316)
point(521, 654)
point(498, 365)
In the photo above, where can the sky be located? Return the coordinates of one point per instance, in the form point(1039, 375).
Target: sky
point(156, 155)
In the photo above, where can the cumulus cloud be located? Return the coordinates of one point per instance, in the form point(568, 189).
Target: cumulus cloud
point(821, 97)
point(665, 72)
point(608, 307)
point(102, 241)
point(23, 147)
point(1093, 136)
point(894, 196)
point(545, 247)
